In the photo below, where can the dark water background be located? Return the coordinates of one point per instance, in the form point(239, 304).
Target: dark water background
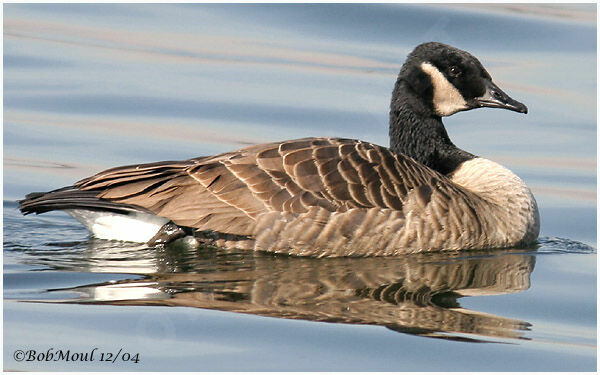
point(88, 86)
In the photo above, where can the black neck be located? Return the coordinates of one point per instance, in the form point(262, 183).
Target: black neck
point(416, 131)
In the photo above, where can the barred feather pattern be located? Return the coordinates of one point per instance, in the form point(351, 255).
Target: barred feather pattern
point(324, 197)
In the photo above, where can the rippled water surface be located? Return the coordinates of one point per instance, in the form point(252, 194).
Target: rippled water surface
point(88, 86)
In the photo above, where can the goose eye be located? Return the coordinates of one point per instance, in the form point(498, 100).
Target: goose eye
point(454, 71)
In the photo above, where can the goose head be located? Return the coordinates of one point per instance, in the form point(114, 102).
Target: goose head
point(448, 80)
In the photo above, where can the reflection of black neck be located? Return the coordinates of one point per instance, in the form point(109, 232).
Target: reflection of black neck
point(415, 130)
point(397, 293)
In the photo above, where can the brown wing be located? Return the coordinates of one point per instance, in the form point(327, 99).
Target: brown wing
point(226, 192)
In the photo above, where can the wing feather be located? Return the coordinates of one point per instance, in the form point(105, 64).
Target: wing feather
point(227, 192)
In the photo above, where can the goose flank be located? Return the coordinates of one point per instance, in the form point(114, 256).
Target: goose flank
point(329, 197)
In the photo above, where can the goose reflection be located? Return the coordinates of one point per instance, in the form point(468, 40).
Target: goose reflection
point(415, 294)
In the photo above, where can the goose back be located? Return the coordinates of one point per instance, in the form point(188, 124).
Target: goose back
point(312, 196)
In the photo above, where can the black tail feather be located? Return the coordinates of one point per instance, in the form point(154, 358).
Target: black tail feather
point(71, 197)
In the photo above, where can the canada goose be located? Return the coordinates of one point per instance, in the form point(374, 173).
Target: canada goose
point(329, 196)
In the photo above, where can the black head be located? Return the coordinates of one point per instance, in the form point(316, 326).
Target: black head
point(451, 80)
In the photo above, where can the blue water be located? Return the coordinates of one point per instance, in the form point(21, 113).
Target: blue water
point(88, 87)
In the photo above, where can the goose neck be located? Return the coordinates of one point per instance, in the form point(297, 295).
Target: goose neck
point(419, 133)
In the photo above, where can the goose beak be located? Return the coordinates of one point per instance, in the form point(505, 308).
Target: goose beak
point(496, 98)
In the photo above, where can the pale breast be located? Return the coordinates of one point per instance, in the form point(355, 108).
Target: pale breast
point(513, 204)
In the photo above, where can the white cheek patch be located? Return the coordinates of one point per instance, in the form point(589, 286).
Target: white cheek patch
point(446, 98)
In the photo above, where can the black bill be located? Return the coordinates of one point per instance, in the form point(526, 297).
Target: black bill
point(496, 98)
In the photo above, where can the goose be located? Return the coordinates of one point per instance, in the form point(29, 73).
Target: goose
point(328, 197)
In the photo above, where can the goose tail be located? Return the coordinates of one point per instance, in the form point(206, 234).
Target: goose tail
point(72, 198)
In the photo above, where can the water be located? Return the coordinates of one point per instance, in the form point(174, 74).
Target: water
point(89, 86)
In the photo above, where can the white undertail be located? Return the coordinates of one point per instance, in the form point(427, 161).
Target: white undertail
point(138, 227)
